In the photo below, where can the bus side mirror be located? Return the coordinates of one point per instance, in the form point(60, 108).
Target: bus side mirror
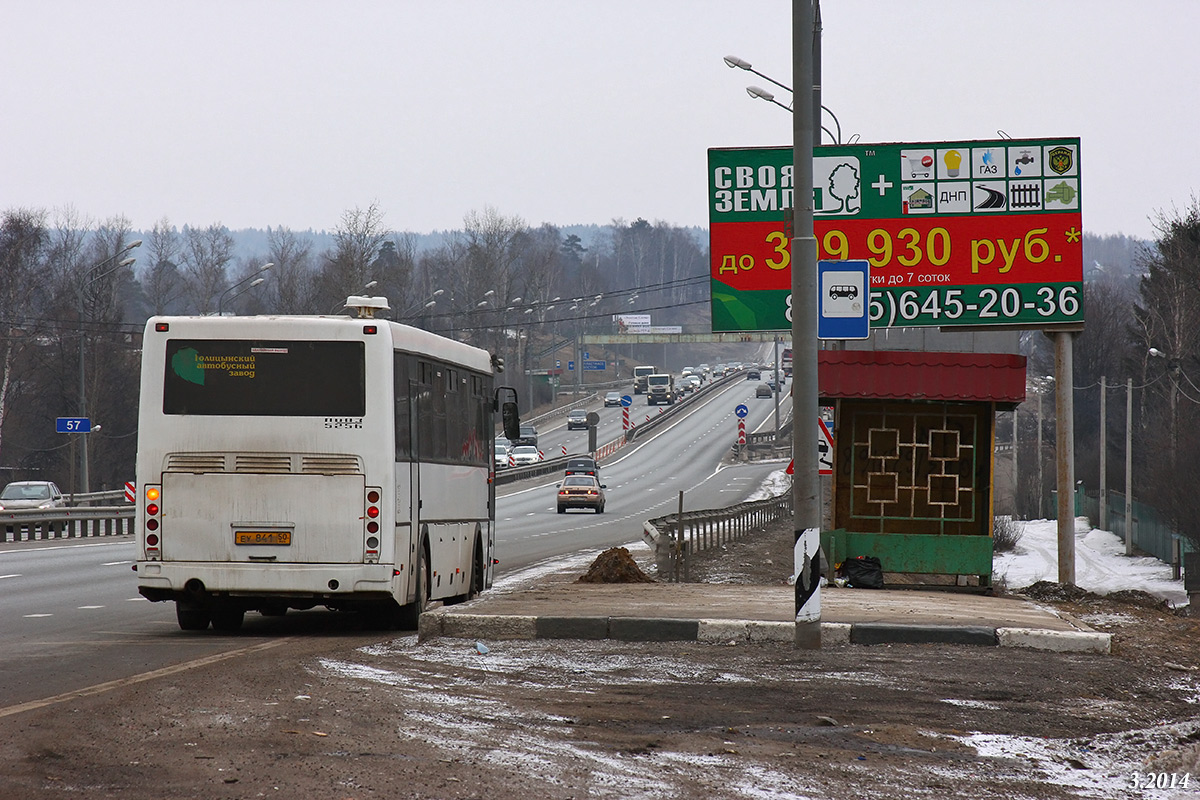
point(510, 418)
point(512, 421)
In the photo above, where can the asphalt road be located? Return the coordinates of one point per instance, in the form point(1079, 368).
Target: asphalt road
point(73, 618)
point(643, 479)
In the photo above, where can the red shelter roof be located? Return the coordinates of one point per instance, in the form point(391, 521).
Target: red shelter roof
point(913, 375)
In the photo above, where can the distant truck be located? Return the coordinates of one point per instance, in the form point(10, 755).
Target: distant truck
point(639, 378)
point(660, 389)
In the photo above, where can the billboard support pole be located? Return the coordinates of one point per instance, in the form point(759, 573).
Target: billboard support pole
point(1065, 445)
point(806, 482)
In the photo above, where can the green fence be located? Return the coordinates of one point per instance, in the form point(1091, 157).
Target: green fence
point(1151, 533)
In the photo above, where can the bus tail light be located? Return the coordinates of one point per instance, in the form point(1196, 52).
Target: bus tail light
point(371, 511)
point(152, 521)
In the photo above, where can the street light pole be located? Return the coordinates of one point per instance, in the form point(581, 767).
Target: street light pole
point(251, 277)
point(88, 280)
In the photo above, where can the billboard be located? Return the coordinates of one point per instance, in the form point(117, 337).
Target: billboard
point(955, 233)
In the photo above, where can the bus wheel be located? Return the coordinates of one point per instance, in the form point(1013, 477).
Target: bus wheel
point(476, 585)
point(227, 617)
point(410, 614)
point(191, 616)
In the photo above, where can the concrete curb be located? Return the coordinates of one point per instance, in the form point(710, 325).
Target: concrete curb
point(443, 623)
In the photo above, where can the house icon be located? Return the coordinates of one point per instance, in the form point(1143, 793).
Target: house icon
point(920, 199)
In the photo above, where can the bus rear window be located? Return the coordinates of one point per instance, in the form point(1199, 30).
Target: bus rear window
point(265, 378)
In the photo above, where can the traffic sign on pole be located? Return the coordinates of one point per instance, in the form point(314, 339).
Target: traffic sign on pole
point(73, 425)
point(842, 288)
point(824, 449)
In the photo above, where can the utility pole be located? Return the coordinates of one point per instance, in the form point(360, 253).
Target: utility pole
point(806, 483)
point(1103, 454)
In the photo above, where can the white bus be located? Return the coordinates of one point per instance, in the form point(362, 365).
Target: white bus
point(293, 462)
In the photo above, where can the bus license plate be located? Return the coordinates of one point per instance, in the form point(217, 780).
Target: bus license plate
point(262, 537)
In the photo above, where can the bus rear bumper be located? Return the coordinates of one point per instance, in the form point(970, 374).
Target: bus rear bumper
point(318, 584)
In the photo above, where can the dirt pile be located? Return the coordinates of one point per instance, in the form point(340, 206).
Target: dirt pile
point(615, 565)
point(1049, 591)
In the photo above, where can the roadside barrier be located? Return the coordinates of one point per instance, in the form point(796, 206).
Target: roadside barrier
point(65, 523)
point(675, 538)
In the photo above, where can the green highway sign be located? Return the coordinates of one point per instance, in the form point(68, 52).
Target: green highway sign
point(955, 233)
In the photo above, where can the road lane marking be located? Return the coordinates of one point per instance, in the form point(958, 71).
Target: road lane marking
point(100, 688)
point(37, 616)
point(14, 575)
point(88, 608)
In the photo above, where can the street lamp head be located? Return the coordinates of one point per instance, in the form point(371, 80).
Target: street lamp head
point(371, 284)
point(489, 293)
point(125, 262)
point(763, 94)
point(266, 266)
point(256, 282)
point(734, 61)
point(1154, 351)
point(439, 292)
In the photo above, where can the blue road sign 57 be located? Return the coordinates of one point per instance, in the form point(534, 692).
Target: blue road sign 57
point(73, 425)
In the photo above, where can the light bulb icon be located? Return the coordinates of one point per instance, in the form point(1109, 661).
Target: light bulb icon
point(953, 160)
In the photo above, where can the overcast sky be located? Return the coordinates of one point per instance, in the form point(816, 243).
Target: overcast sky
point(289, 112)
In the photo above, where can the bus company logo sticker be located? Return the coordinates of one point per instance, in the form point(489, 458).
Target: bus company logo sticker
point(1060, 159)
point(343, 422)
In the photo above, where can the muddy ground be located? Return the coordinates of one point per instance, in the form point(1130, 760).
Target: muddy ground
point(365, 715)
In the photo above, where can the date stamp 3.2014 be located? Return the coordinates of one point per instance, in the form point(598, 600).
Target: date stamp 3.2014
point(1161, 780)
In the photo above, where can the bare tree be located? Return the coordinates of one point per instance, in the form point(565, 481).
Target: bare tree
point(24, 241)
point(205, 254)
point(162, 282)
point(357, 242)
point(1167, 319)
point(293, 278)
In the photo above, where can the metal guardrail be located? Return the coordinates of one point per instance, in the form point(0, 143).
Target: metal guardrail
point(80, 498)
point(38, 524)
point(513, 474)
point(675, 538)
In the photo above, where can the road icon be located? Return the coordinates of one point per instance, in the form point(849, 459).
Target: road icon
point(626, 400)
point(741, 411)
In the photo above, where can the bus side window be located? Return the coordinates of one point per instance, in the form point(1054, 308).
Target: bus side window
point(403, 420)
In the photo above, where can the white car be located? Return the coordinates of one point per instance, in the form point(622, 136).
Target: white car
point(612, 399)
point(500, 453)
point(525, 455)
point(31, 494)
